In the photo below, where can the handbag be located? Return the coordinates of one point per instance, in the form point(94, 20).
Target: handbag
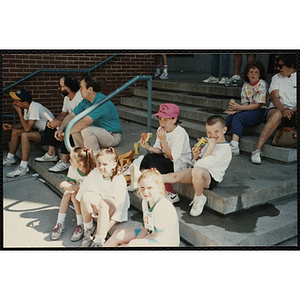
point(285, 137)
point(125, 161)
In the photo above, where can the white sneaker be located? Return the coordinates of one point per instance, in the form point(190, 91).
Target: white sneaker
point(164, 76)
point(60, 166)
point(223, 80)
point(8, 162)
point(234, 150)
point(46, 157)
point(18, 171)
point(211, 79)
point(255, 157)
point(57, 231)
point(198, 205)
point(157, 75)
point(172, 197)
point(135, 174)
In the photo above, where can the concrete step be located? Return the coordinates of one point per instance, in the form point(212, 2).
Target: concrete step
point(197, 114)
point(197, 89)
point(266, 225)
point(197, 130)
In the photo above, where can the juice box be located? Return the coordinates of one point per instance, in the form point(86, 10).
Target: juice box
point(202, 142)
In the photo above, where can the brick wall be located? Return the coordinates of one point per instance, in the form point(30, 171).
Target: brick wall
point(43, 86)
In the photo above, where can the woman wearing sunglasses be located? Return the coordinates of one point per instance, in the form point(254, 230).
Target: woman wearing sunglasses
point(283, 107)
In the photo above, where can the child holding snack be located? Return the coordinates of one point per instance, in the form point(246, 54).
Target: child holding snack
point(171, 151)
point(253, 99)
point(210, 164)
point(160, 218)
point(82, 163)
point(103, 194)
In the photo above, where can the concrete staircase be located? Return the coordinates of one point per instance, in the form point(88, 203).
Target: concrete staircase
point(255, 205)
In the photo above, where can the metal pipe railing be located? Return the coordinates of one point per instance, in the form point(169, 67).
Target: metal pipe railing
point(60, 71)
point(107, 98)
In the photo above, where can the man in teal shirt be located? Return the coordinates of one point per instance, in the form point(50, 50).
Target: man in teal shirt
point(101, 128)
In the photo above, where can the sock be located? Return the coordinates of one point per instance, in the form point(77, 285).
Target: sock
point(234, 144)
point(79, 219)
point(61, 218)
point(24, 164)
point(10, 156)
point(169, 188)
point(157, 69)
point(99, 240)
point(88, 225)
point(166, 69)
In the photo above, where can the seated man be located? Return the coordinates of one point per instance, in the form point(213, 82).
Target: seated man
point(99, 129)
point(22, 132)
point(69, 88)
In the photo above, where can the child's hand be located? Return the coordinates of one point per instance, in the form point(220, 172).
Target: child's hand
point(230, 112)
point(65, 185)
point(211, 142)
point(161, 134)
point(196, 153)
point(143, 144)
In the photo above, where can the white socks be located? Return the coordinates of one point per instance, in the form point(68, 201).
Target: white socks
point(24, 164)
point(61, 218)
point(10, 156)
point(79, 219)
point(234, 144)
point(89, 225)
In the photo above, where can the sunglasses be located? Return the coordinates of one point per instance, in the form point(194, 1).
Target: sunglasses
point(280, 66)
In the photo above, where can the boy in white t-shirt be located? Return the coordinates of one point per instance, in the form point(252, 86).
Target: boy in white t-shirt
point(210, 164)
point(69, 88)
point(33, 118)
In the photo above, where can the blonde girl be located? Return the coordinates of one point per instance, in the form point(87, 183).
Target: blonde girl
point(160, 217)
point(82, 163)
point(104, 196)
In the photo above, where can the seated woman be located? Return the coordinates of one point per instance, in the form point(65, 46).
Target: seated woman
point(283, 108)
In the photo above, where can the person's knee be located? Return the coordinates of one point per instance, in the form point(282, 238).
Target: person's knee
point(276, 116)
point(85, 198)
point(103, 207)
point(119, 234)
point(197, 172)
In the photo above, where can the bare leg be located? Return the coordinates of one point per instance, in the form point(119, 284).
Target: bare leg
point(237, 64)
point(201, 180)
point(65, 158)
point(89, 202)
point(235, 137)
point(51, 150)
point(26, 138)
point(120, 236)
point(274, 118)
point(182, 176)
point(15, 140)
point(64, 204)
point(76, 204)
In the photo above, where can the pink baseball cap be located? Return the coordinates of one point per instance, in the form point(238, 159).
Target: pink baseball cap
point(168, 111)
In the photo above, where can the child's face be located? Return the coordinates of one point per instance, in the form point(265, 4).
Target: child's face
point(149, 189)
point(167, 124)
point(105, 165)
point(253, 75)
point(216, 132)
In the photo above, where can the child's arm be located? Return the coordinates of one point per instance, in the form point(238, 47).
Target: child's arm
point(161, 134)
point(210, 147)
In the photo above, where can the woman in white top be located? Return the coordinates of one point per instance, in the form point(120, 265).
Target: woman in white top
point(283, 109)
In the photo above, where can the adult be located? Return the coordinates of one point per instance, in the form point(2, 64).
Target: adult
point(69, 89)
point(101, 128)
point(282, 110)
point(215, 69)
point(23, 132)
point(164, 75)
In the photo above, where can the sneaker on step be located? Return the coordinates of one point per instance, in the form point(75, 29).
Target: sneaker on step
point(96, 245)
point(57, 231)
point(88, 237)
point(255, 157)
point(172, 197)
point(157, 75)
point(211, 79)
point(46, 157)
point(234, 150)
point(164, 76)
point(18, 171)
point(135, 174)
point(223, 80)
point(77, 233)
point(198, 205)
point(60, 166)
point(8, 162)
point(235, 80)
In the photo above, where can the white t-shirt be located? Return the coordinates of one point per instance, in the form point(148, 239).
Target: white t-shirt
point(74, 175)
point(116, 190)
point(287, 87)
point(69, 104)
point(35, 112)
point(216, 163)
point(179, 142)
point(162, 218)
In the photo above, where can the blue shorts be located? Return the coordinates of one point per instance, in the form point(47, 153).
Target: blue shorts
point(151, 241)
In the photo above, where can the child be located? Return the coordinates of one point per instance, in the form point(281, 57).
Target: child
point(160, 218)
point(253, 99)
point(82, 163)
point(210, 164)
point(171, 151)
point(104, 193)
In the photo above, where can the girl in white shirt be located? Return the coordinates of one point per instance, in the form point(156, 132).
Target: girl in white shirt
point(104, 196)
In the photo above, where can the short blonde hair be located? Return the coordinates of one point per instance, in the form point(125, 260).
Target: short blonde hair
point(156, 177)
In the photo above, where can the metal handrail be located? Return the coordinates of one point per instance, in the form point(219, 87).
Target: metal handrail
point(107, 98)
point(60, 71)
